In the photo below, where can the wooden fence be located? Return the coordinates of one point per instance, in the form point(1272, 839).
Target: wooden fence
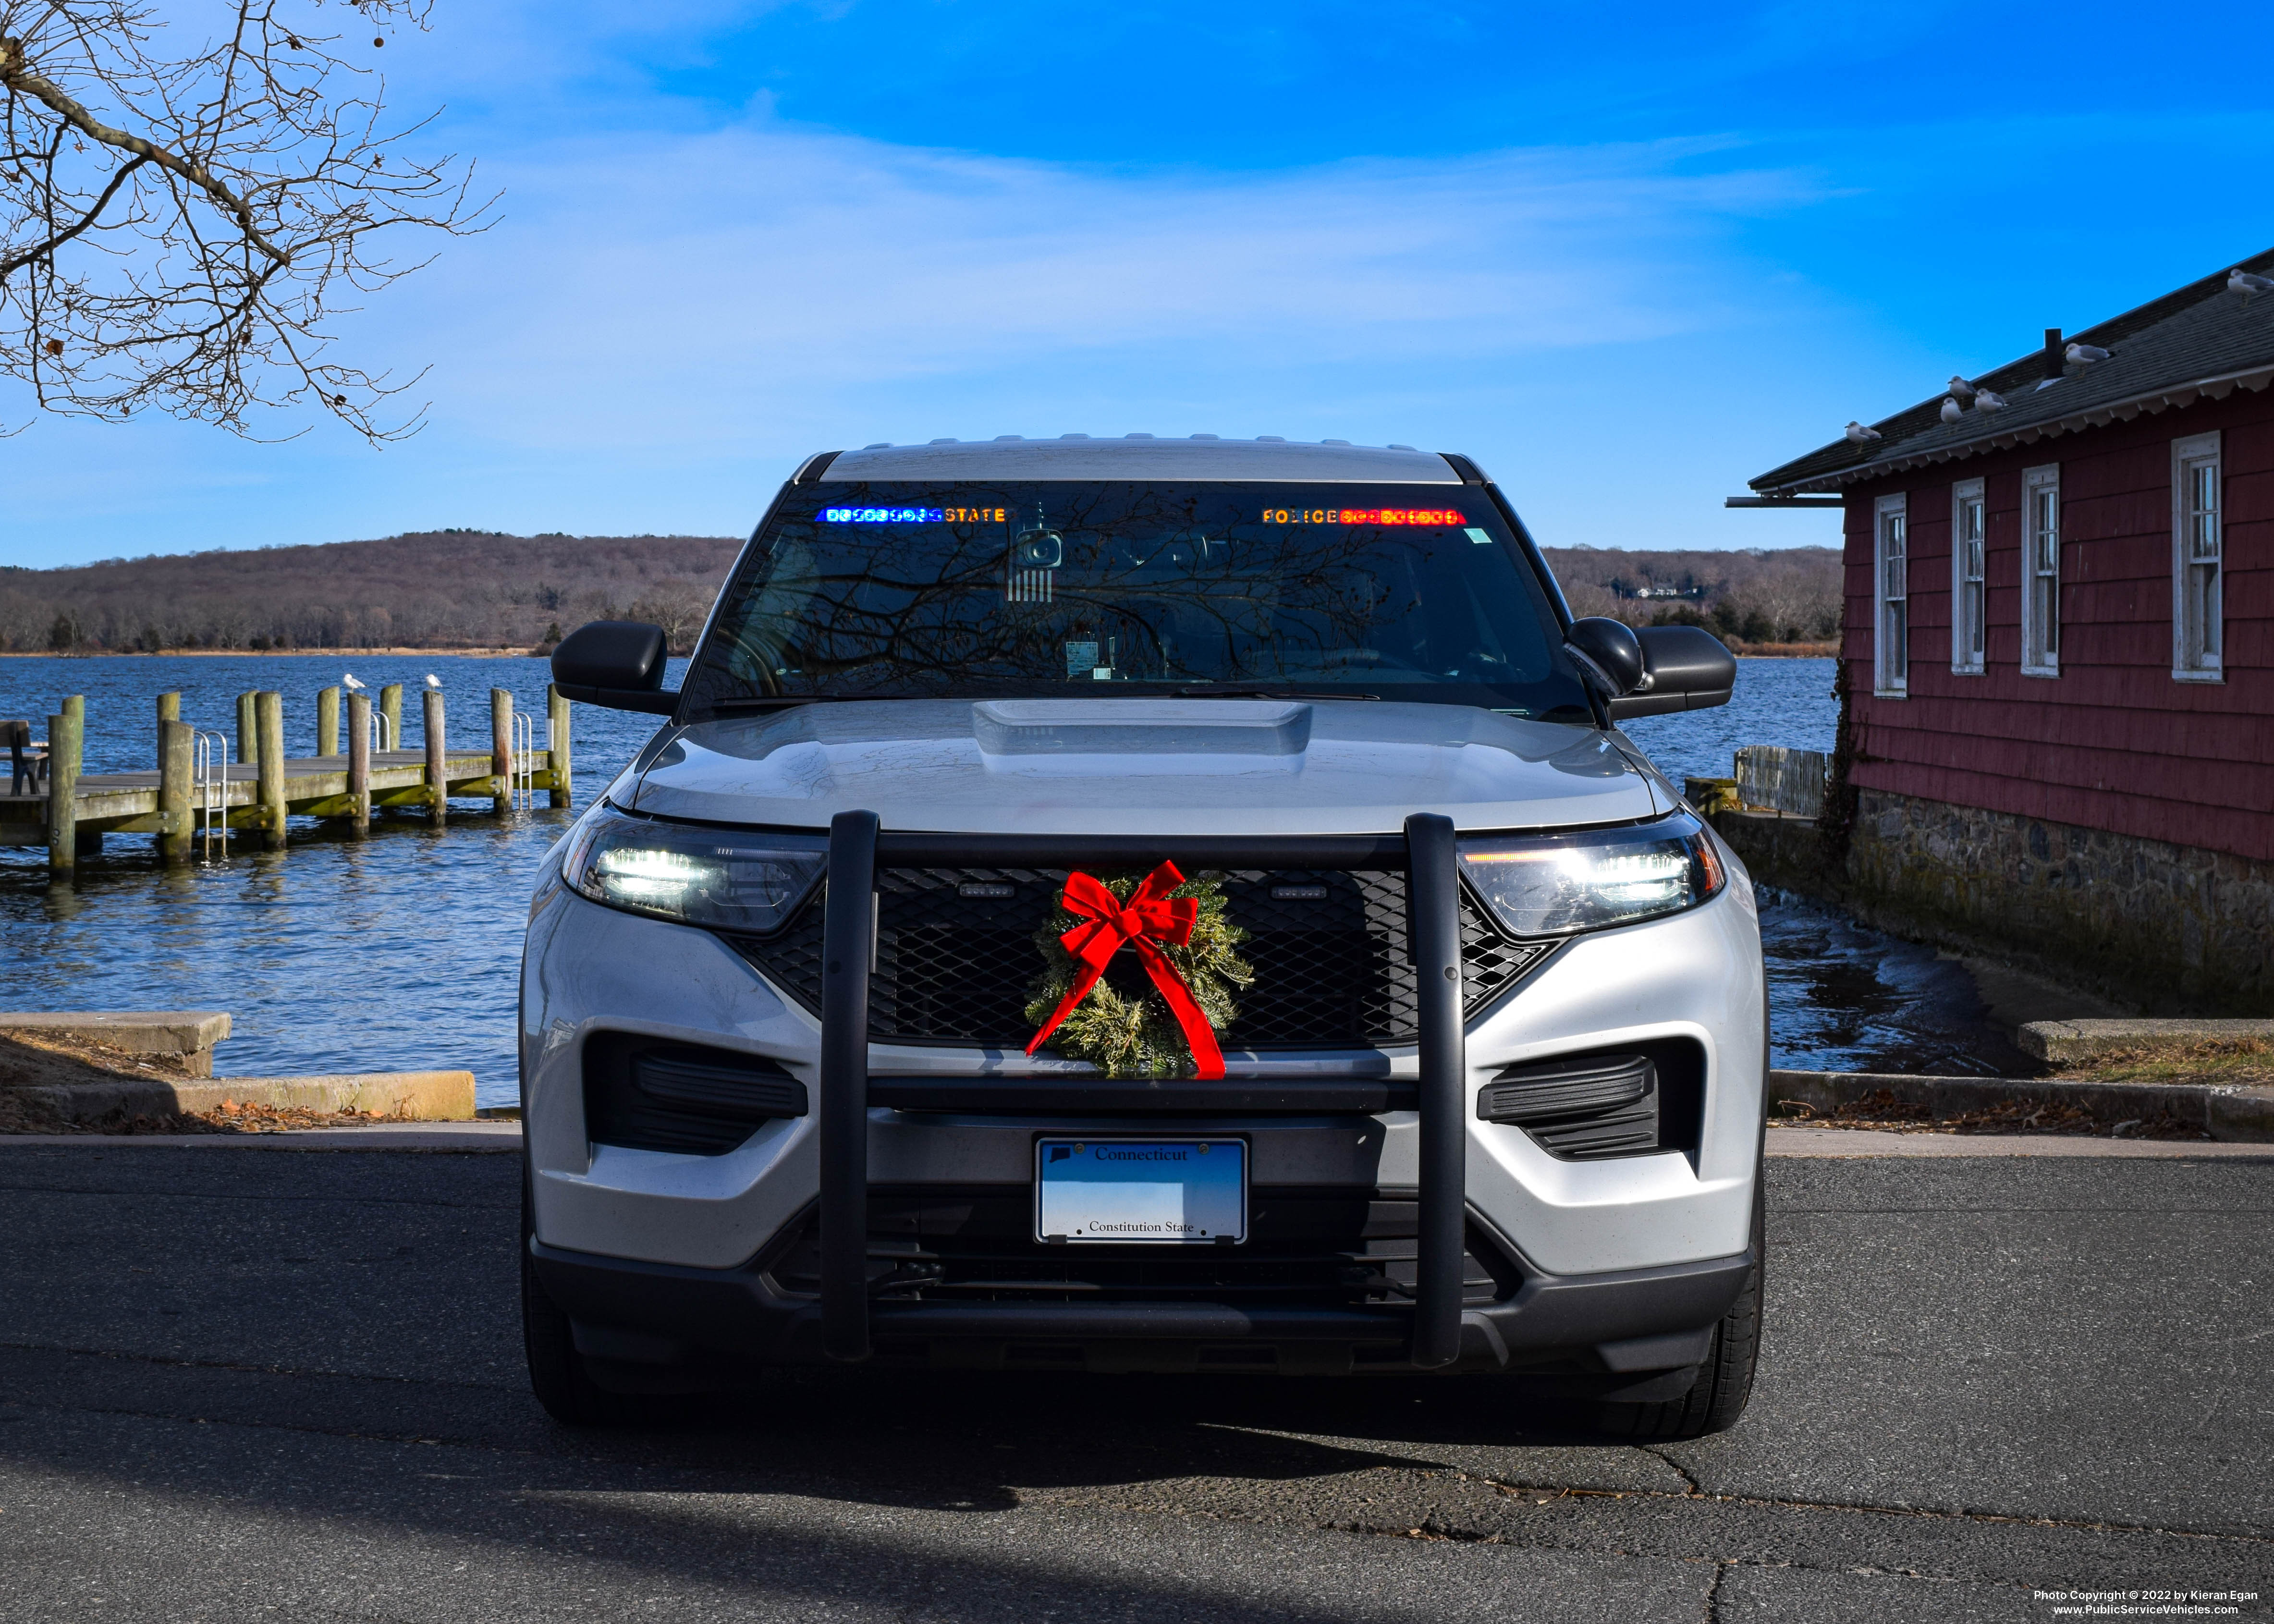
point(1781, 781)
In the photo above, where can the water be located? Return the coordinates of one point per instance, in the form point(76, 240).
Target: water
point(399, 952)
point(1782, 701)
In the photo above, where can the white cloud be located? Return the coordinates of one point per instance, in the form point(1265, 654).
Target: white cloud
point(699, 289)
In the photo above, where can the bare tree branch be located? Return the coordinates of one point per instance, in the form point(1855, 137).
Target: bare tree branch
point(179, 226)
point(19, 79)
point(41, 251)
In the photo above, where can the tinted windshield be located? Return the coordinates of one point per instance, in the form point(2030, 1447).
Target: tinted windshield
point(871, 591)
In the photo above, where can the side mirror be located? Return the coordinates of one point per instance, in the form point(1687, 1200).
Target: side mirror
point(1684, 668)
point(1608, 654)
point(618, 663)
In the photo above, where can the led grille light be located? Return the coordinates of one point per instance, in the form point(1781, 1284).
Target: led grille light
point(725, 879)
point(1547, 885)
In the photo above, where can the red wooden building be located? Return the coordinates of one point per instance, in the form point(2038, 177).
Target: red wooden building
point(2059, 649)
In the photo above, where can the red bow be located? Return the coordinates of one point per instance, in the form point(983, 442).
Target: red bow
point(1149, 915)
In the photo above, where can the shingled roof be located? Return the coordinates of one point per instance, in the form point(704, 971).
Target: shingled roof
point(2197, 341)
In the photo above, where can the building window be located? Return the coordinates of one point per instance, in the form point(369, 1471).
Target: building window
point(1968, 584)
point(2198, 560)
point(2041, 571)
point(1891, 663)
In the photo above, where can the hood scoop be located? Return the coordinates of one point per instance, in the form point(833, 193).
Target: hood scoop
point(1023, 734)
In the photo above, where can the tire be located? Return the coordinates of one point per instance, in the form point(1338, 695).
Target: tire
point(556, 1370)
point(1725, 1380)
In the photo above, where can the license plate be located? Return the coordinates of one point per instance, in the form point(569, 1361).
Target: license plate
point(1179, 1191)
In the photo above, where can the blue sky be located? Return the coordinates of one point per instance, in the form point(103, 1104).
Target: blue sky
point(1626, 256)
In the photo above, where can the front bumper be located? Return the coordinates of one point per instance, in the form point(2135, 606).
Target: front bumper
point(642, 1245)
point(660, 1317)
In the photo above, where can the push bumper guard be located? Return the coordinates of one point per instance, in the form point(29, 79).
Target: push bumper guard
point(1430, 1331)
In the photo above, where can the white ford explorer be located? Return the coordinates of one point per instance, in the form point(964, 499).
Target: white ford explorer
point(1146, 905)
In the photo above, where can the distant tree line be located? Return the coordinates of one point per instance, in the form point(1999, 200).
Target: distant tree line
point(461, 589)
point(1759, 595)
point(440, 590)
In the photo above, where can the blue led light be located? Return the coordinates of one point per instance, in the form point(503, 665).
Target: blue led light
point(882, 515)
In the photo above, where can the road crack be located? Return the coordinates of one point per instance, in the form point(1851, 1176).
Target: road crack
point(1765, 1502)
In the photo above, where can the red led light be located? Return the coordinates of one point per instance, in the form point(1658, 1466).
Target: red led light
point(1362, 516)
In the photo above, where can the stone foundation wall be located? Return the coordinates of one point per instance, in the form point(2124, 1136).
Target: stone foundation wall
point(2154, 925)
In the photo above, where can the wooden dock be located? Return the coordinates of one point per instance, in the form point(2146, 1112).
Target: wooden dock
point(196, 795)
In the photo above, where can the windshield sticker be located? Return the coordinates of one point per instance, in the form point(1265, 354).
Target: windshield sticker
point(1362, 516)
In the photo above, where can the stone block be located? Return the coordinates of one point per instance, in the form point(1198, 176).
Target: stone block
point(2077, 1042)
point(186, 1036)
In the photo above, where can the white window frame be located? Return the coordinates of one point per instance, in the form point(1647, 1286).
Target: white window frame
point(2041, 622)
point(1969, 592)
point(1891, 591)
point(2198, 607)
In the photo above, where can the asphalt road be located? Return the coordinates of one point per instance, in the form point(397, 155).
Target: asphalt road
point(251, 1384)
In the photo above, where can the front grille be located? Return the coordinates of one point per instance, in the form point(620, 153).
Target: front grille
point(956, 954)
point(1305, 1248)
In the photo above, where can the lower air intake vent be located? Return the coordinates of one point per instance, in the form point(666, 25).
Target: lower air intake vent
point(1608, 1102)
point(644, 1095)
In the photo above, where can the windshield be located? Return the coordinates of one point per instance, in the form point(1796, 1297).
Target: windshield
point(890, 591)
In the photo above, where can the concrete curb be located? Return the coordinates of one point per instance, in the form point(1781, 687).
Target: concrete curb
point(401, 1097)
point(2234, 1113)
point(498, 1138)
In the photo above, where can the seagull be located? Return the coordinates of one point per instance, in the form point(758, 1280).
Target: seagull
point(1988, 400)
point(351, 683)
point(1952, 411)
point(1861, 435)
point(2246, 283)
point(2085, 354)
point(1959, 387)
point(433, 681)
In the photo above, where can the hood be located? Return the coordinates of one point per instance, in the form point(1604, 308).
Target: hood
point(1143, 766)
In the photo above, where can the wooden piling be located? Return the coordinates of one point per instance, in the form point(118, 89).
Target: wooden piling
point(360, 760)
point(502, 750)
point(248, 728)
point(176, 766)
point(327, 721)
point(169, 707)
point(66, 733)
point(390, 706)
point(556, 742)
point(271, 775)
point(438, 784)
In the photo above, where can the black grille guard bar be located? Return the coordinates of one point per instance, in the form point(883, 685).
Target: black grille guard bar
point(856, 849)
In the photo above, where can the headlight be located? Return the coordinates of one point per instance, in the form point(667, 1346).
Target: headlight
point(724, 878)
point(1553, 886)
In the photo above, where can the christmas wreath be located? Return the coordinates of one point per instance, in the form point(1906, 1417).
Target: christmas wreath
point(1178, 929)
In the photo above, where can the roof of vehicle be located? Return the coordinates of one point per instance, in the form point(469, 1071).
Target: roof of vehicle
point(1141, 457)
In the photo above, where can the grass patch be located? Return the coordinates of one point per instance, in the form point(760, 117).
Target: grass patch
point(2232, 1061)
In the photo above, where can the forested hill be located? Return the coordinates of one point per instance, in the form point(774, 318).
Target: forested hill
point(1782, 595)
point(465, 588)
point(443, 590)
